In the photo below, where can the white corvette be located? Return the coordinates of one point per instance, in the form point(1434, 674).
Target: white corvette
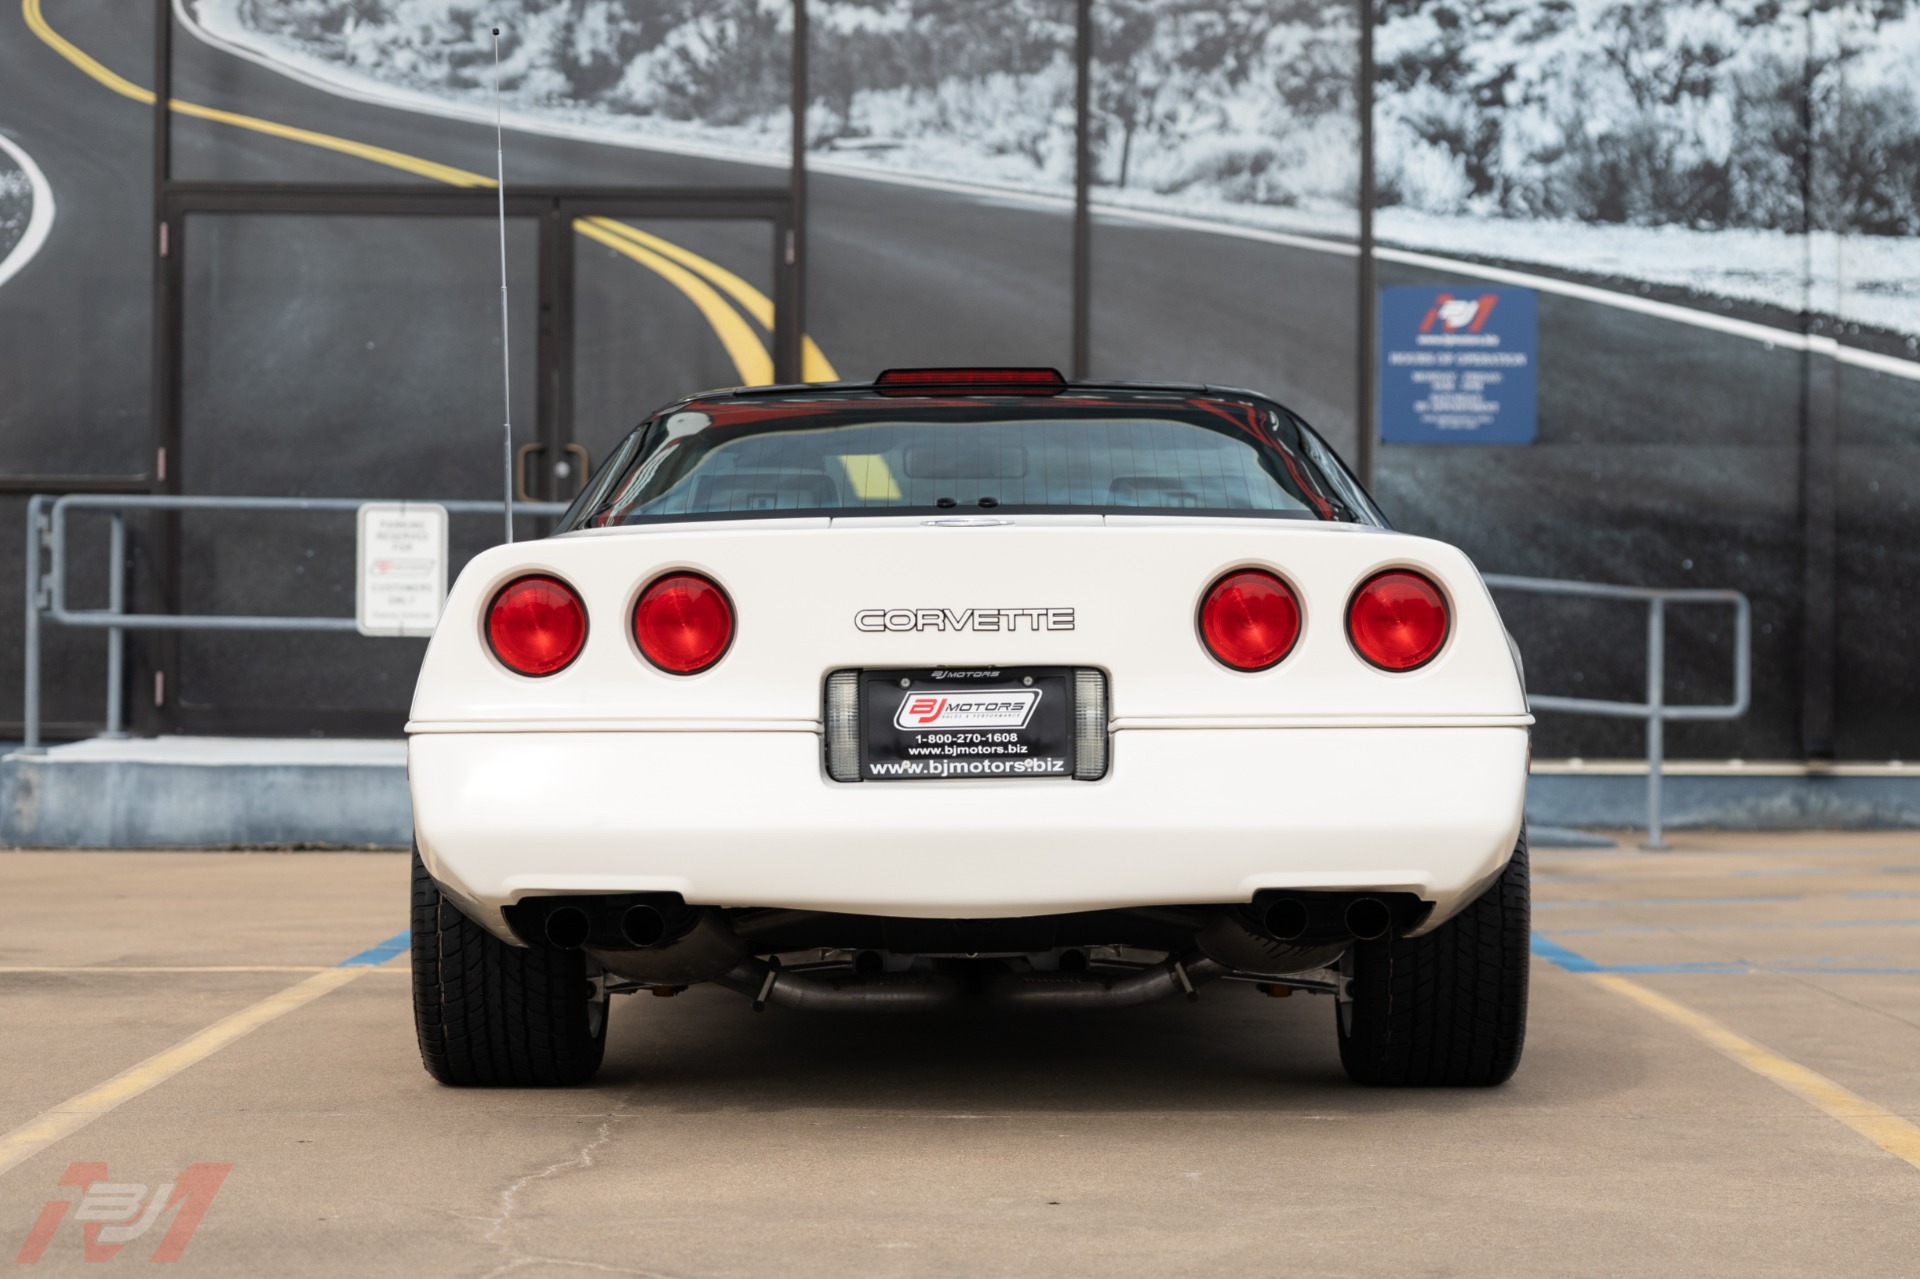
point(970, 685)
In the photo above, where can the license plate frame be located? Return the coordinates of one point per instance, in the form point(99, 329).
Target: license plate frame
point(983, 723)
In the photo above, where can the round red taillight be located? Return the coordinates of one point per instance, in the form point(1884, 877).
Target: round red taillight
point(683, 623)
point(536, 625)
point(1250, 619)
point(1398, 620)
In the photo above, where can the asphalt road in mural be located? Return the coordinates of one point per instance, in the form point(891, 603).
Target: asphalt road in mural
point(901, 274)
point(329, 331)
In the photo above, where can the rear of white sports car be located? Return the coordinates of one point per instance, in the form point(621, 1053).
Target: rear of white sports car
point(959, 689)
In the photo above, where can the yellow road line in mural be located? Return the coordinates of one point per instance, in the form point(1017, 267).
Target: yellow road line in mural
point(814, 366)
point(687, 271)
point(127, 89)
point(748, 352)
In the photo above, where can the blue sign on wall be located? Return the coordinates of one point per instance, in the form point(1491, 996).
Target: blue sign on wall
point(1457, 365)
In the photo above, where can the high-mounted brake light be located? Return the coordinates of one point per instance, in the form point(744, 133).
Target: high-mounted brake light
point(1250, 619)
point(1397, 620)
point(970, 382)
point(683, 623)
point(536, 625)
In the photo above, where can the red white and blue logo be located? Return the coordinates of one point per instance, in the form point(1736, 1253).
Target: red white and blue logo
point(1459, 315)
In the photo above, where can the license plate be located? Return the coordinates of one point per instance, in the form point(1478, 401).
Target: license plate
point(986, 722)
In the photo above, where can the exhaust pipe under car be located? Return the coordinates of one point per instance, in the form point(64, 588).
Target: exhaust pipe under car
point(656, 939)
point(766, 984)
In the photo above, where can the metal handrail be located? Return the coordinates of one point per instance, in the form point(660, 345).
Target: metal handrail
point(1655, 709)
point(47, 585)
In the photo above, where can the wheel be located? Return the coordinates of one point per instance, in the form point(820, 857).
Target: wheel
point(1448, 1009)
point(492, 1014)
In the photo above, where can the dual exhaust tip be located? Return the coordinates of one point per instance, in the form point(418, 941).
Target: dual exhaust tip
point(1292, 919)
point(641, 926)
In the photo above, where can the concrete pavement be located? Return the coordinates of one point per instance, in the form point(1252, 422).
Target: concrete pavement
point(1215, 1137)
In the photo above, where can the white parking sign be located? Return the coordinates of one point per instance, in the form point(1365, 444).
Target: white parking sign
point(401, 581)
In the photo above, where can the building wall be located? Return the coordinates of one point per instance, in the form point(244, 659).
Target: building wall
point(1740, 160)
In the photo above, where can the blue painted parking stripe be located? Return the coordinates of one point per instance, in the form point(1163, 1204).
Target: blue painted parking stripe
point(1574, 962)
point(1562, 956)
point(1713, 969)
point(380, 954)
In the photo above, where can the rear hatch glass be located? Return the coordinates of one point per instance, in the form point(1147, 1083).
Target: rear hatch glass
point(874, 456)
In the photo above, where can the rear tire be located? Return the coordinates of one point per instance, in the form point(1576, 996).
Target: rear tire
point(490, 1014)
point(1448, 1009)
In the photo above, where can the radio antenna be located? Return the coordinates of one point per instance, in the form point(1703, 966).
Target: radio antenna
point(506, 355)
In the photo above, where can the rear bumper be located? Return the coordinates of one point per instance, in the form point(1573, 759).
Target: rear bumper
point(1184, 816)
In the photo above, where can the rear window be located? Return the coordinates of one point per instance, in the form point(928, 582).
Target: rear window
point(879, 456)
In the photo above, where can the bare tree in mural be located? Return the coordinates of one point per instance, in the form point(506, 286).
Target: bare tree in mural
point(1130, 81)
point(1219, 95)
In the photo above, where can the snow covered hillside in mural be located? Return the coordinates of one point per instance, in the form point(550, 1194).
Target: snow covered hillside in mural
point(1693, 144)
